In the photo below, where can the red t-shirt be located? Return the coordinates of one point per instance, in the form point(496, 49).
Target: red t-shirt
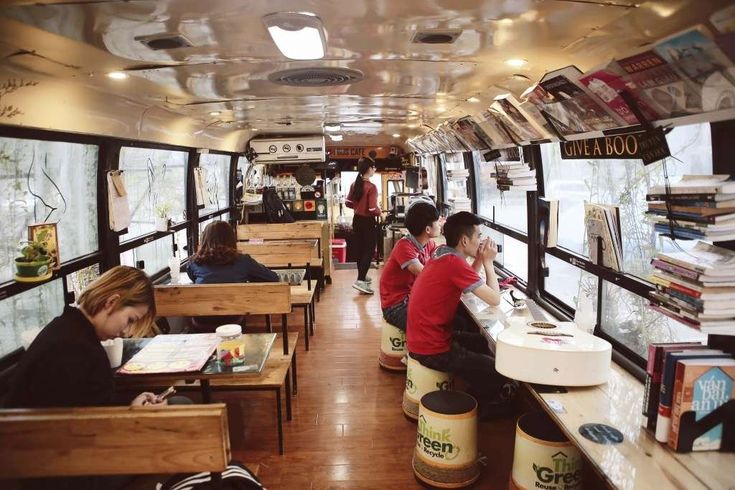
point(396, 280)
point(434, 299)
point(368, 203)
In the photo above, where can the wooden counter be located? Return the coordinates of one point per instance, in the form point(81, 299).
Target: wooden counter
point(639, 461)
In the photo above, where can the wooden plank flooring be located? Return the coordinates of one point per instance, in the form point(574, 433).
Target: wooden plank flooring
point(348, 430)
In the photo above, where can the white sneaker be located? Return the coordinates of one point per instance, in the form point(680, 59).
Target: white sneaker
point(362, 286)
point(368, 279)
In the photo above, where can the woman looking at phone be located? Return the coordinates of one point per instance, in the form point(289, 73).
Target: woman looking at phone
point(66, 366)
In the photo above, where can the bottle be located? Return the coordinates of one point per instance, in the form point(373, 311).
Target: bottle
point(585, 317)
point(174, 265)
point(231, 347)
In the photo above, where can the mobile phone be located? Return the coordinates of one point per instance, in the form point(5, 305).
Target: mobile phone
point(166, 393)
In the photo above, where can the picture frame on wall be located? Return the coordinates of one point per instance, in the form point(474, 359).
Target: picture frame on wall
point(47, 234)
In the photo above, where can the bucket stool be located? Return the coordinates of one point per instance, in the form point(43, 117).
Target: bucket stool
point(392, 348)
point(543, 456)
point(419, 381)
point(446, 442)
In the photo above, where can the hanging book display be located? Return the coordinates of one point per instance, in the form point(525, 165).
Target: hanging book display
point(117, 201)
point(517, 176)
point(517, 120)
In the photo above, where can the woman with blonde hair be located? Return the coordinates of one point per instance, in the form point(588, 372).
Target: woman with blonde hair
point(66, 366)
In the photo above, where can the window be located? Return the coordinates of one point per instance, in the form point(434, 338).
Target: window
point(624, 183)
point(47, 181)
point(78, 281)
point(627, 318)
point(203, 224)
point(514, 255)
point(217, 181)
point(563, 280)
point(508, 208)
point(31, 309)
point(153, 178)
point(154, 254)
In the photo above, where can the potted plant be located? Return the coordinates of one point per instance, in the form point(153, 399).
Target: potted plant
point(162, 219)
point(35, 261)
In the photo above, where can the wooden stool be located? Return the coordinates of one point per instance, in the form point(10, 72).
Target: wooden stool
point(543, 456)
point(421, 380)
point(446, 443)
point(392, 348)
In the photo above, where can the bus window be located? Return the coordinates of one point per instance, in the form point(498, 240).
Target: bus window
point(217, 181)
point(509, 206)
point(31, 309)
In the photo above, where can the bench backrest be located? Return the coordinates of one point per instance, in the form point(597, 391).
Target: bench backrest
point(275, 231)
point(58, 442)
point(279, 247)
point(296, 257)
point(223, 299)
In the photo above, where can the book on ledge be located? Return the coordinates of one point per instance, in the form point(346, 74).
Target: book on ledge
point(603, 221)
point(548, 220)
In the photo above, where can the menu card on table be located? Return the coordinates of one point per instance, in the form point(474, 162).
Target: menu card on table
point(174, 353)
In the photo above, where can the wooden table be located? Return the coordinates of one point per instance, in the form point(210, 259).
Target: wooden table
point(276, 374)
point(639, 461)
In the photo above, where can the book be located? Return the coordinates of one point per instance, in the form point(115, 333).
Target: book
point(691, 288)
point(700, 386)
point(710, 210)
point(663, 419)
point(704, 258)
point(603, 221)
point(695, 218)
point(487, 120)
point(605, 83)
point(652, 386)
point(712, 199)
point(695, 56)
point(548, 220)
point(696, 184)
point(570, 108)
point(469, 131)
point(172, 353)
point(518, 119)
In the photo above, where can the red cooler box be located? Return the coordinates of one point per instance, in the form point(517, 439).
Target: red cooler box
point(339, 250)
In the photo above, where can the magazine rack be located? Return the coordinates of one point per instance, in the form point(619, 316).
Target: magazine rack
point(690, 428)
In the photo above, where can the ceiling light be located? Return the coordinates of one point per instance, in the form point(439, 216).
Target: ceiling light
point(215, 113)
point(117, 75)
point(254, 129)
point(332, 126)
point(474, 100)
point(396, 135)
point(298, 35)
point(516, 62)
point(336, 137)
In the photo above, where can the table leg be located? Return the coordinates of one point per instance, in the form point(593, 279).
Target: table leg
point(311, 319)
point(288, 395)
point(295, 377)
point(206, 391)
point(268, 323)
point(306, 326)
point(284, 326)
point(279, 421)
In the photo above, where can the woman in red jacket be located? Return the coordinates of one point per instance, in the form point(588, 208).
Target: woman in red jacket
point(363, 198)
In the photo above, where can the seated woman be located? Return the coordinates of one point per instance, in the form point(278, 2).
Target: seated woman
point(218, 261)
point(66, 366)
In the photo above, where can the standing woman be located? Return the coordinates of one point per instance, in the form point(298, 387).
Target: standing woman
point(363, 198)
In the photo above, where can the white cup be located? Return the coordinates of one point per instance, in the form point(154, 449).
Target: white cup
point(114, 351)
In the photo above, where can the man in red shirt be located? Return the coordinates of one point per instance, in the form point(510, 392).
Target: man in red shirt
point(407, 260)
point(431, 337)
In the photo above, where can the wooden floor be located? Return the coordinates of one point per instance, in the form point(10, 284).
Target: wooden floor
point(348, 429)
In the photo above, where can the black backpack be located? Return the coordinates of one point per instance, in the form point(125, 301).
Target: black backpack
point(275, 210)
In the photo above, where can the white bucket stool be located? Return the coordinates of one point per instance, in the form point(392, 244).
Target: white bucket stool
point(421, 380)
point(392, 347)
point(446, 443)
point(543, 457)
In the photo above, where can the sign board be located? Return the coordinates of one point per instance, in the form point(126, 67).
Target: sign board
point(356, 152)
point(649, 146)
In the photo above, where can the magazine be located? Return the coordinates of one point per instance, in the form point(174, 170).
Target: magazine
point(471, 134)
point(173, 353)
point(515, 119)
point(490, 124)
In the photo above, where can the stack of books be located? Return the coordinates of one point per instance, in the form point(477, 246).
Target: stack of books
point(514, 176)
point(460, 204)
point(695, 206)
point(696, 287)
point(459, 174)
point(684, 383)
point(602, 222)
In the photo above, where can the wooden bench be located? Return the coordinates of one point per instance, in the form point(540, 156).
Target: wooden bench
point(274, 376)
point(226, 299)
point(318, 230)
point(67, 442)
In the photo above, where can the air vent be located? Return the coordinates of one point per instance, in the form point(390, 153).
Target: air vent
point(437, 36)
point(315, 77)
point(164, 41)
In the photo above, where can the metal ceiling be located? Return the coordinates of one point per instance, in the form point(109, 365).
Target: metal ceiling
point(68, 47)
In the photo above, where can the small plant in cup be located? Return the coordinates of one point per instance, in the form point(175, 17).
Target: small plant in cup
point(35, 260)
point(162, 215)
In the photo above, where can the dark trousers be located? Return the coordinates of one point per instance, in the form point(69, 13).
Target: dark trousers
point(468, 357)
point(365, 237)
point(397, 315)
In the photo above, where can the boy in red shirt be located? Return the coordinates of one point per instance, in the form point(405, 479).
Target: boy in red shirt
point(431, 337)
point(407, 260)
